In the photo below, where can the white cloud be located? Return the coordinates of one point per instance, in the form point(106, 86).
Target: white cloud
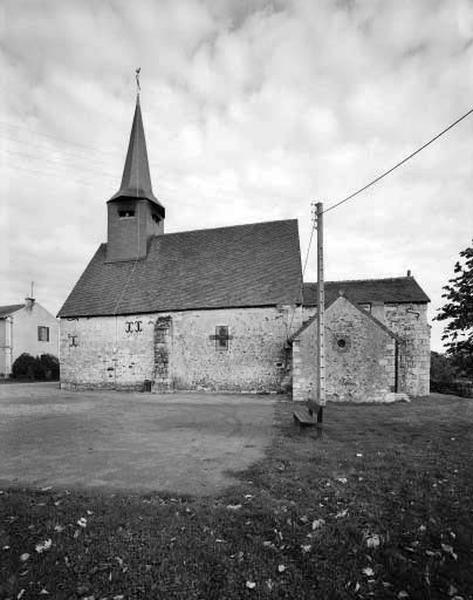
point(252, 111)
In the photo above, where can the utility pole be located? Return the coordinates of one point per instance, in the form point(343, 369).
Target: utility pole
point(317, 404)
point(320, 312)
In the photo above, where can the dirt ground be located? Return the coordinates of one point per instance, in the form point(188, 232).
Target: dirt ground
point(179, 443)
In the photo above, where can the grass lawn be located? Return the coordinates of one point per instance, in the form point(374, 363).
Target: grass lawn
point(378, 506)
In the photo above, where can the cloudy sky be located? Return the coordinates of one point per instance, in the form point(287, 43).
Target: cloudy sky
point(252, 109)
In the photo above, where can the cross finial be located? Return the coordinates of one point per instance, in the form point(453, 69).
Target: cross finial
point(137, 77)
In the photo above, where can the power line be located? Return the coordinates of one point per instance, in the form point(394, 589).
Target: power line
point(404, 160)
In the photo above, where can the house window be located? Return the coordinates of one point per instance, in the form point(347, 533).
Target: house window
point(366, 306)
point(221, 337)
point(126, 214)
point(73, 340)
point(43, 333)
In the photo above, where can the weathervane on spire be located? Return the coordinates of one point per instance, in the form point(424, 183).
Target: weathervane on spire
point(137, 77)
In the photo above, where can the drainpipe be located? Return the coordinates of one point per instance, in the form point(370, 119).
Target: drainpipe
point(396, 366)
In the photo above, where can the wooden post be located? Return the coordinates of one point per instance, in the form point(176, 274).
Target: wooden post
point(320, 312)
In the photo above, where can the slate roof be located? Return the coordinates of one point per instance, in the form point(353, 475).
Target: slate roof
point(368, 315)
point(136, 178)
point(7, 310)
point(240, 266)
point(360, 291)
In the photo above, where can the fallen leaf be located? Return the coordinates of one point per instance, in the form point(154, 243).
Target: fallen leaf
point(373, 541)
point(359, 454)
point(304, 519)
point(233, 506)
point(82, 522)
point(452, 590)
point(342, 513)
point(402, 594)
point(269, 584)
point(42, 546)
point(250, 585)
point(317, 524)
point(368, 571)
point(306, 548)
point(449, 550)
point(24, 557)
point(58, 528)
point(20, 594)
point(342, 479)
point(281, 568)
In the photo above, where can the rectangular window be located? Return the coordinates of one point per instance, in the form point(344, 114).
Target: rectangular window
point(126, 214)
point(43, 333)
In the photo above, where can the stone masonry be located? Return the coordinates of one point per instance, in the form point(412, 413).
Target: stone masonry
point(359, 356)
point(178, 350)
point(408, 321)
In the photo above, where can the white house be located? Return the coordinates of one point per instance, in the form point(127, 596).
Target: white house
point(28, 328)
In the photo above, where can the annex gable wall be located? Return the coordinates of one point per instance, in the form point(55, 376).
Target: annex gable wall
point(359, 357)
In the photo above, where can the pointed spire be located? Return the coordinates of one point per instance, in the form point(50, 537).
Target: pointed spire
point(136, 179)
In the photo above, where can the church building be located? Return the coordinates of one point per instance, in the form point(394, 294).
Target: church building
point(226, 309)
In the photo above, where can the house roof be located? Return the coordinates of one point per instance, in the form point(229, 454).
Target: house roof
point(7, 310)
point(360, 291)
point(240, 266)
point(136, 179)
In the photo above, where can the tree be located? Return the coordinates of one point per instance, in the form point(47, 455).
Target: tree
point(442, 374)
point(458, 312)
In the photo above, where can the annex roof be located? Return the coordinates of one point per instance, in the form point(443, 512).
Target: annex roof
point(368, 315)
point(7, 310)
point(361, 291)
point(239, 266)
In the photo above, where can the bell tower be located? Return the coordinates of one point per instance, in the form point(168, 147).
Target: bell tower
point(134, 214)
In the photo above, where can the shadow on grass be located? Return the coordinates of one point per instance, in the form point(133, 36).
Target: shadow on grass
point(380, 503)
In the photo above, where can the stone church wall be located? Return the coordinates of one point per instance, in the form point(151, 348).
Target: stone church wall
point(359, 356)
point(179, 350)
point(409, 322)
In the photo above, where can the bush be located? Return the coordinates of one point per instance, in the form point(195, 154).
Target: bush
point(50, 364)
point(30, 367)
point(24, 366)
